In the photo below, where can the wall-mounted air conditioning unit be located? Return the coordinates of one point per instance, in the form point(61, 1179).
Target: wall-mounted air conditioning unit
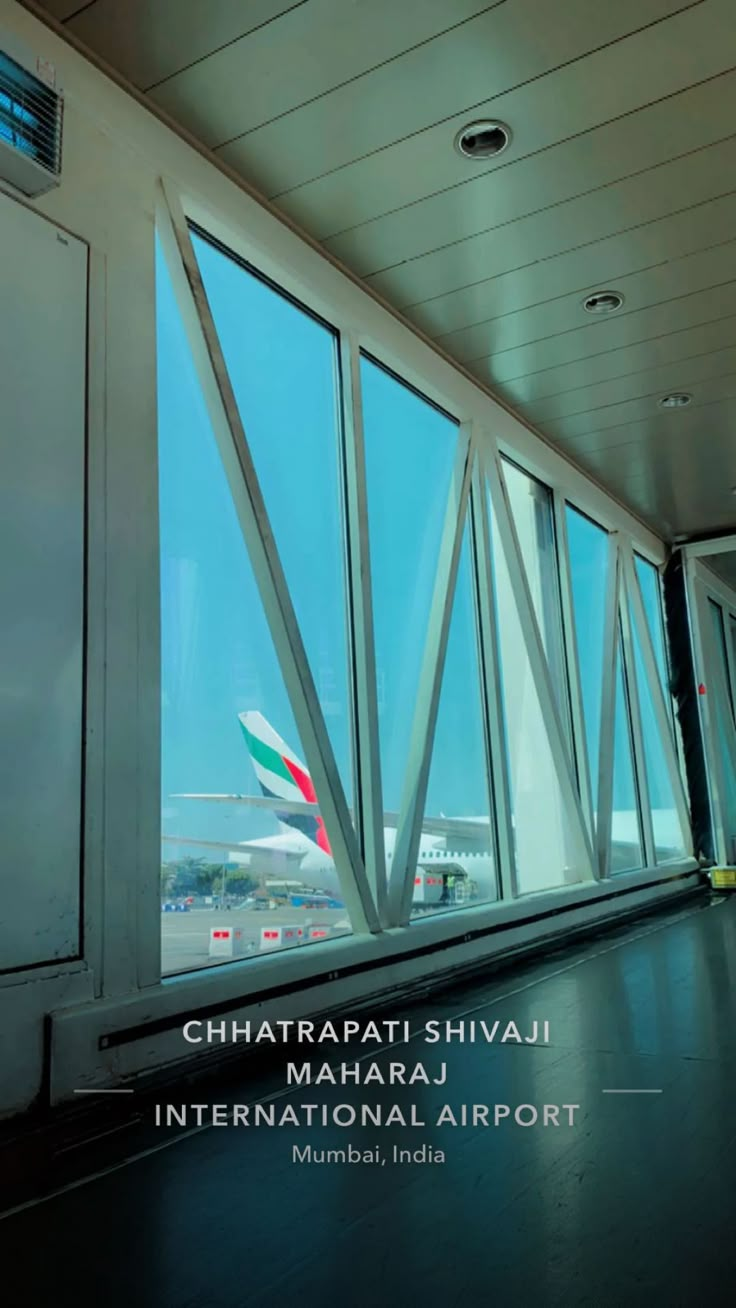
point(30, 123)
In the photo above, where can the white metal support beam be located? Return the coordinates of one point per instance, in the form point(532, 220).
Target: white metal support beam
point(699, 549)
point(259, 541)
point(651, 672)
point(497, 744)
point(569, 634)
point(637, 733)
point(557, 738)
point(401, 880)
point(368, 790)
point(710, 671)
point(702, 658)
point(606, 732)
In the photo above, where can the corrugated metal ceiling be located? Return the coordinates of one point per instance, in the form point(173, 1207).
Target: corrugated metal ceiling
point(621, 174)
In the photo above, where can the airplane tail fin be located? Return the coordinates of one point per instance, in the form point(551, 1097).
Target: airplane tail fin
point(281, 775)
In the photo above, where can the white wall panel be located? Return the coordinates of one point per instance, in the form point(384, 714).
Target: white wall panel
point(43, 288)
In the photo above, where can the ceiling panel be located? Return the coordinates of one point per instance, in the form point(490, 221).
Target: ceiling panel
point(602, 335)
point(686, 430)
point(615, 260)
point(514, 327)
point(626, 75)
point(655, 468)
point(667, 208)
point(485, 58)
point(61, 9)
point(682, 500)
point(626, 363)
point(612, 424)
point(660, 500)
point(421, 245)
point(621, 173)
point(683, 375)
point(418, 251)
point(148, 40)
point(311, 50)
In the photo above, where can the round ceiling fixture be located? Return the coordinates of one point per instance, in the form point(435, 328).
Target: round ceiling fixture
point(482, 140)
point(603, 302)
point(677, 400)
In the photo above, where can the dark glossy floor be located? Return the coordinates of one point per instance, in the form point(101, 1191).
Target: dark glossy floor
point(634, 1204)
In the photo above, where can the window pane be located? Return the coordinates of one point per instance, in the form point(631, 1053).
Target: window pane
point(721, 715)
point(227, 724)
point(588, 550)
point(410, 451)
point(719, 633)
point(456, 864)
point(651, 593)
point(669, 839)
point(283, 368)
point(626, 839)
point(648, 578)
point(531, 508)
point(545, 851)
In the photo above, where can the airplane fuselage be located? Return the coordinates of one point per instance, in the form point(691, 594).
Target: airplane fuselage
point(317, 871)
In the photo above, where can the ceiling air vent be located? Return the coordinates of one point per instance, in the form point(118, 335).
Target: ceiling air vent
point(30, 127)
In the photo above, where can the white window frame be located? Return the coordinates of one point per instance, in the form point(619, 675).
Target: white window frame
point(703, 584)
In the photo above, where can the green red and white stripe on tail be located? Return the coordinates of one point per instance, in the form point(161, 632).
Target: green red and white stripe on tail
point(281, 775)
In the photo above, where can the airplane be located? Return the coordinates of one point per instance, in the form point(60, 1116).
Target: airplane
point(455, 850)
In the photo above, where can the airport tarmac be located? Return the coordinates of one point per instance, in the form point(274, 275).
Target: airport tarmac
point(185, 937)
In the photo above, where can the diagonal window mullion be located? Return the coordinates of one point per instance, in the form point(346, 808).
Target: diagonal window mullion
point(428, 690)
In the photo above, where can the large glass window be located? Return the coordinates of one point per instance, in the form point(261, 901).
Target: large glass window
point(456, 865)
point(282, 364)
point(651, 593)
point(648, 578)
point(588, 554)
point(650, 585)
point(410, 452)
point(531, 508)
point(669, 838)
point(246, 866)
point(546, 853)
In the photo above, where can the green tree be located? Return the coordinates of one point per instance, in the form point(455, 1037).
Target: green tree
point(168, 879)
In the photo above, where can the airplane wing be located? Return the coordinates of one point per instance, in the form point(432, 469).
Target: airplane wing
point(258, 801)
point(278, 853)
point(450, 828)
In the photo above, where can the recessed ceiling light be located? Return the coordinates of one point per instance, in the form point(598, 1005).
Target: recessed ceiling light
point(482, 140)
point(603, 302)
point(677, 400)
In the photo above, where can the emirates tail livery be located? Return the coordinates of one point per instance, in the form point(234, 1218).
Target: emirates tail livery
point(282, 776)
